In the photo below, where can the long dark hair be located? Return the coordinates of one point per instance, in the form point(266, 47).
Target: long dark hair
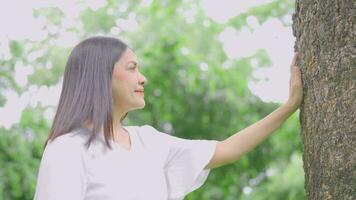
point(86, 94)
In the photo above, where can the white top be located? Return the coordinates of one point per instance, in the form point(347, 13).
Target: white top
point(158, 166)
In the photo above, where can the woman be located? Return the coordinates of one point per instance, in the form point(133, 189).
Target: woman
point(90, 154)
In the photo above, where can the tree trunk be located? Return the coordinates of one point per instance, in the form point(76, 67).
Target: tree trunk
point(325, 35)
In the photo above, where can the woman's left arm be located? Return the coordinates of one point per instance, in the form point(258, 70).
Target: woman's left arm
point(240, 143)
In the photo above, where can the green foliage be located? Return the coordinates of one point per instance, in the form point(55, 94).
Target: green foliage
point(195, 88)
point(17, 166)
point(21, 149)
point(55, 58)
point(262, 12)
point(100, 20)
point(53, 15)
point(16, 49)
point(286, 183)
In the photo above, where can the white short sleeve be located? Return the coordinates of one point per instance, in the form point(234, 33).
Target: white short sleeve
point(62, 172)
point(185, 162)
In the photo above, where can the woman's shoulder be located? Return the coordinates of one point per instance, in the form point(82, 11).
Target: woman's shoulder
point(146, 130)
point(73, 140)
point(150, 133)
point(65, 150)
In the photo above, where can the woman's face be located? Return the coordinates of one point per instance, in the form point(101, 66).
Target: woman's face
point(127, 83)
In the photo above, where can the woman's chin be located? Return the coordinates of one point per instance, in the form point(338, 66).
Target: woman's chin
point(140, 105)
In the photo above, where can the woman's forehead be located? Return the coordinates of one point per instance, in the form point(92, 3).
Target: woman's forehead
point(128, 56)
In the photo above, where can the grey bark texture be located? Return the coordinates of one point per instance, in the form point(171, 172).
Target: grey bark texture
point(325, 35)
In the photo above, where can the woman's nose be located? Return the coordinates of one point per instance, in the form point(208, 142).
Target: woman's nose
point(143, 79)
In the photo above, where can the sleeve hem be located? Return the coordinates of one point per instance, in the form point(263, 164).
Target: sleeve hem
point(200, 177)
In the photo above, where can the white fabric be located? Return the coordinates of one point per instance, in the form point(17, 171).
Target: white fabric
point(157, 167)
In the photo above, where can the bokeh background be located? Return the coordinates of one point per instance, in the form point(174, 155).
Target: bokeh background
point(214, 68)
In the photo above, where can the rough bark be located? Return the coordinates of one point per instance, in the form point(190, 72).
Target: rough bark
point(325, 35)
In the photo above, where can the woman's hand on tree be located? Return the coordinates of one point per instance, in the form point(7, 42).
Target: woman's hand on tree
point(295, 83)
